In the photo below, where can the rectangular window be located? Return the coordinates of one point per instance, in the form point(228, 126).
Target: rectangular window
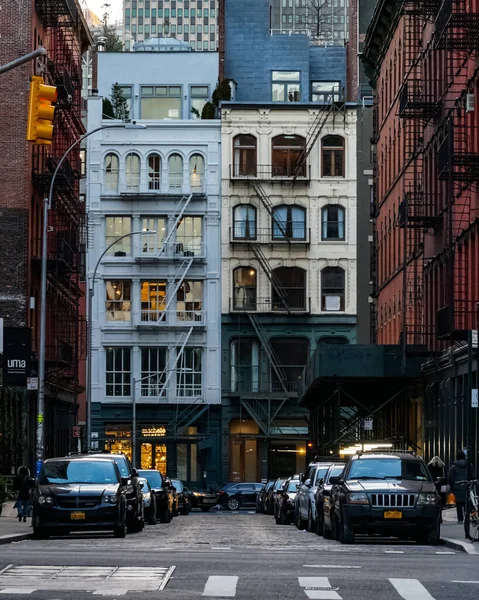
point(325, 91)
point(199, 29)
point(212, 28)
point(180, 12)
point(153, 300)
point(115, 227)
point(161, 102)
point(118, 371)
point(199, 97)
point(189, 372)
point(212, 45)
point(189, 236)
point(127, 13)
point(193, 29)
point(151, 243)
point(153, 371)
point(283, 90)
point(83, 162)
point(189, 301)
point(140, 28)
point(205, 44)
point(186, 28)
point(140, 13)
point(118, 300)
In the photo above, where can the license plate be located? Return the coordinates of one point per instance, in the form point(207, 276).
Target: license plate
point(77, 516)
point(392, 514)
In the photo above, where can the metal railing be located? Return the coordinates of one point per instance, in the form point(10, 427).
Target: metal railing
point(247, 386)
point(151, 246)
point(270, 305)
point(239, 234)
point(169, 318)
point(271, 172)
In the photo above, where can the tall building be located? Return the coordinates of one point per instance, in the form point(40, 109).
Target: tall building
point(325, 21)
point(288, 234)
point(26, 175)
point(420, 60)
point(192, 21)
point(156, 315)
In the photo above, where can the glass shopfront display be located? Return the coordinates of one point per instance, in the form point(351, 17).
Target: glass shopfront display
point(118, 439)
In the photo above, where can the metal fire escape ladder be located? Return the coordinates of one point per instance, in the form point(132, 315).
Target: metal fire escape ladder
point(263, 196)
point(179, 212)
point(187, 417)
point(178, 280)
point(275, 282)
point(168, 370)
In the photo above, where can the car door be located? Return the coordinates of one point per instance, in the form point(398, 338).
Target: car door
point(248, 494)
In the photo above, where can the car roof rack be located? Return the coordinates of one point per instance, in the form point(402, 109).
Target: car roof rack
point(386, 451)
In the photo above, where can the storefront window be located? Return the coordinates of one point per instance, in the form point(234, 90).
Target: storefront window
point(118, 439)
point(244, 452)
point(160, 458)
point(153, 456)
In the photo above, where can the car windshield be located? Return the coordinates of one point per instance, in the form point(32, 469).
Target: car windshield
point(388, 468)
point(321, 473)
point(293, 486)
point(153, 477)
point(279, 484)
point(122, 466)
point(79, 471)
point(178, 485)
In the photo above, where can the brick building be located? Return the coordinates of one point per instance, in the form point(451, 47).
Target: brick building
point(59, 26)
point(421, 57)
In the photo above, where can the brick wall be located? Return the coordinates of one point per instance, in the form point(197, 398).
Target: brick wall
point(352, 49)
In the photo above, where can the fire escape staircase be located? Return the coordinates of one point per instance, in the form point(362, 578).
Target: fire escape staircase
point(169, 368)
point(186, 418)
point(179, 212)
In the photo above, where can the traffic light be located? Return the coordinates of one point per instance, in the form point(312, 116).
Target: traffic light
point(40, 111)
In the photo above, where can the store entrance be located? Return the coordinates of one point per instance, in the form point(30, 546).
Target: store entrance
point(153, 456)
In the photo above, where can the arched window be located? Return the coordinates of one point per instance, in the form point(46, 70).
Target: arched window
point(332, 222)
point(292, 354)
point(244, 153)
point(287, 150)
point(289, 291)
point(244, 222)
point(132, 172)
point(244, 288)
point(111, 172)
point(332, 288)
point(154, 171)
point(332, 156)
point(175, 172)
point(289, 222)
point(244, 353)
point(197, 173)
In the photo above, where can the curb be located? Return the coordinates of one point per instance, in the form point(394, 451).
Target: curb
point(14, 537)
point(466, 547)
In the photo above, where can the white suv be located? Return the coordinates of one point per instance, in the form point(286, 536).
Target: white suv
point(305, 510)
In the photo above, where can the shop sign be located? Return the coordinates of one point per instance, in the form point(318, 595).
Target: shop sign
point(368, 424)
point(16, 355)
point(153, 431)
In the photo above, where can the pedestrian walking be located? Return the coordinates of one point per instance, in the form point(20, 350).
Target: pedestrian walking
point(459, 471)
point(23, 484)
point(439, 475)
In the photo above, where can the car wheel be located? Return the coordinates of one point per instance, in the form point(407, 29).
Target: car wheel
point(346, 532)
point(205, 508)
point(185, 510)
point(120, 531)
point(311, 522)
point(175, 512)
point(152, 518)
point(41, 533)
point(233, 504)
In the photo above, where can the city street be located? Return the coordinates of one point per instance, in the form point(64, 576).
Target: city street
point(226, 555)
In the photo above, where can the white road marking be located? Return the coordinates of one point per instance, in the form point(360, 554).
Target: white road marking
point(318, 594)
point(458, 581)
point(333, 566)
point(411, 589)
point(394, 551)
point(220, 548)
point(444, 552)
point(111, 591)
point(17, 590)
point(221, 586)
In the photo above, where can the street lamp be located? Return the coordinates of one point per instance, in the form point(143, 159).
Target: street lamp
point(91, 293)
point(40, 446)
point(133, 398)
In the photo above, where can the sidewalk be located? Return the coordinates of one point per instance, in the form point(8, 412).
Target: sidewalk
point(10, 529)
point(452, 533)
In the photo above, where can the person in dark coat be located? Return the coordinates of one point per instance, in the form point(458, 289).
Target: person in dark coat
point(23, 483)
point(459, 471)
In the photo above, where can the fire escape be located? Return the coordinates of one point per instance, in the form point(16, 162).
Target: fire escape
point(66, 330)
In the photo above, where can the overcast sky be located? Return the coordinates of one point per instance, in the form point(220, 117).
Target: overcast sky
point(114, 10)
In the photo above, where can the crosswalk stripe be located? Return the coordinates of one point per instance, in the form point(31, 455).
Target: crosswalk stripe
point(221, 586)
point(318, 594)
point(18, 590)
point(411, 589)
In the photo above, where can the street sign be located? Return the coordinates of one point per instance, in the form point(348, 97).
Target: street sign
point(368, 424)
point(474, 338)
point(32, 384)
point(474, 399)
point(76, 429)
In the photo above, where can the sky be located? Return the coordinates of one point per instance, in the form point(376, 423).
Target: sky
point(114, 10)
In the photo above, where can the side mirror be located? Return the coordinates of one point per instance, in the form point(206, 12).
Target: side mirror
point(308, 483)
point(335, 480)
point(125, 481)
point(134, 472)
point(321, 481)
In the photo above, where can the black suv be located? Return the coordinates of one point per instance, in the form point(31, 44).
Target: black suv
point(164, 492)
point(134, 495)
point(79, 494)
point(387, 493)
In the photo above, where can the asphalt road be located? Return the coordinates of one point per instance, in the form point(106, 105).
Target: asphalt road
point(232, 555)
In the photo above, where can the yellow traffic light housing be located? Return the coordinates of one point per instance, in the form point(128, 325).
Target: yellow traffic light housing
point(40, 111)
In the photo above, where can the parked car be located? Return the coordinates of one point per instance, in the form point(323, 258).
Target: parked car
point(182, 504)
point(271, 495)
point(149, 501)
point(202, 499)
point(236, 495)
point(164, 494)
point(284, 504)
point(134, 495)
point(322, 500)
point(388, 493)
point(74, 494)
point(260, 498)
point(305, 509)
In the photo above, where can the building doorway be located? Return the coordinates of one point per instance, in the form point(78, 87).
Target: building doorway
point(244, 464)
point(153, 456)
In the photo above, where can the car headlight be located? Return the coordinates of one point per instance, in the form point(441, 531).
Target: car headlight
point(45, 500)
point(146, 499)
point(357, 498)
point(110, 499)
point(427, 499)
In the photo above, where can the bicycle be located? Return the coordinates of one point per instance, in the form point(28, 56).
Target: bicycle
point(471, 516)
